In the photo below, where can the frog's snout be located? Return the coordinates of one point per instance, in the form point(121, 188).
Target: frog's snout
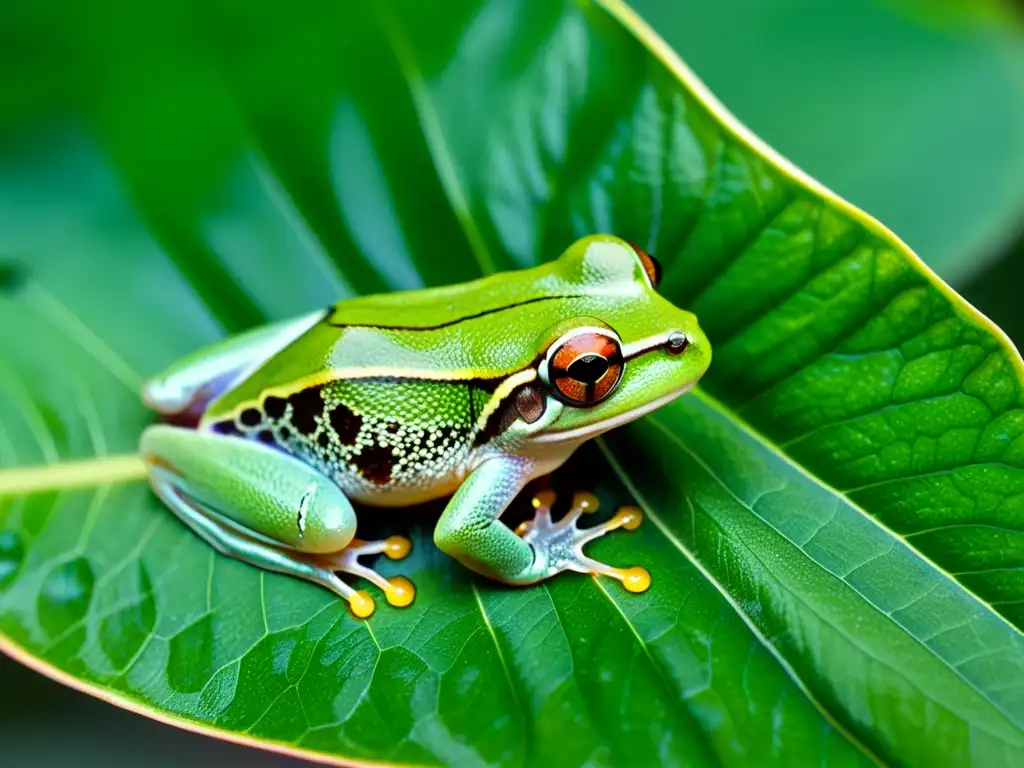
point(677, 342)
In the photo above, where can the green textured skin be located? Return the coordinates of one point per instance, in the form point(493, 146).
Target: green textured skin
point(468, 531)
point(257, 487)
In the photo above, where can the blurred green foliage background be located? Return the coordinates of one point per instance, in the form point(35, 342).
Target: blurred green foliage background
point(913, 110)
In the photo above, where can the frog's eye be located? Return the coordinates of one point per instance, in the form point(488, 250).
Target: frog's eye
point(651, 266)
point(585, 365)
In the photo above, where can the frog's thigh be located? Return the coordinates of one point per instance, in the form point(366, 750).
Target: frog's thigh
point(229, 542)
point(469, 529)
point(213, 370)
point(270, 498)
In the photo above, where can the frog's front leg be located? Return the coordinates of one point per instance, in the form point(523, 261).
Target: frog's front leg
point(268, 509)
point(469, 530)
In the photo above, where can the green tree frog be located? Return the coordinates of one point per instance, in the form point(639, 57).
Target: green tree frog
point(470, 390)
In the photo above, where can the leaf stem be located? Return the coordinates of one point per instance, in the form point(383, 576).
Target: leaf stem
point(106, 470)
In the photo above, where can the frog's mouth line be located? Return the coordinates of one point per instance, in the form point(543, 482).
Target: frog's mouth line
point(585, 433)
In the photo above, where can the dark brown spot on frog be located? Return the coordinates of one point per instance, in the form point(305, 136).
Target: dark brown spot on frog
point(225, 428)
point(266, 436)
point(274, 407)
point(324, 438)
point(284, 433)
point(250, 417)
point(375, 463)
point(306, 406)
point(345, 423)
point(392, 427)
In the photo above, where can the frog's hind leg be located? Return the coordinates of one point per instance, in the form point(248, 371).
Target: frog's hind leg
point(190, 384)
point(234, 544)
point(262, 506)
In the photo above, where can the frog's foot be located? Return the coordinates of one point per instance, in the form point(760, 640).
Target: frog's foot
point(398, 590)
point(559, 546)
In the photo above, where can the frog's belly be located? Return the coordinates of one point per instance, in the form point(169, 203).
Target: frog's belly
point(399, 494)
point(411, 482)
point(395, 468)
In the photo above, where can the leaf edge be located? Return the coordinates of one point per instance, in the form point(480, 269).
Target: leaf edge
point(22, 656)
point(620, 11)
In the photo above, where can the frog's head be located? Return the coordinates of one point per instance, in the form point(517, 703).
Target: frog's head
point(625, 351)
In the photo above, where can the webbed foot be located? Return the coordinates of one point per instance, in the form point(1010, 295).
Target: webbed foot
point(558, 546)
point(398, 591)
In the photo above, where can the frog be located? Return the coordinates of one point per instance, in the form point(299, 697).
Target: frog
point(468, 392)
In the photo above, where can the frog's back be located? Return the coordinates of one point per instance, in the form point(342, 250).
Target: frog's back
point(330, 351)
point(484, 329)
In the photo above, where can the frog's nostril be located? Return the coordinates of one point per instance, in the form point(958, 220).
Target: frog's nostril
point(677, 343)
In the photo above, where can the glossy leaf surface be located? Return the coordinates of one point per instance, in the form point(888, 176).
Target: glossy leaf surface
point(835, 525)
point(911, 109)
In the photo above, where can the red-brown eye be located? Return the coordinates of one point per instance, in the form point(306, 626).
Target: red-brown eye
point(651, 266)
point(585, 366)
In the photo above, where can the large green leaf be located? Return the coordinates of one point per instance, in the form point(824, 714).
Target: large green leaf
point(835, 520)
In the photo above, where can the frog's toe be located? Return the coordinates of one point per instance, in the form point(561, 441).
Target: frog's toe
point(399, 591)
point(360, 602)
point(397, 547)
point(559, 545)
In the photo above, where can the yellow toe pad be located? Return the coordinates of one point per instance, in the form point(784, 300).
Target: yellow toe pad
point(636, 579)
point(397, 547)
point(361, 604)
point(402, 592)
